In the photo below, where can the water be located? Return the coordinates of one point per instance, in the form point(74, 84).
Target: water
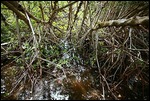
point(79, 83)
point(48, 88)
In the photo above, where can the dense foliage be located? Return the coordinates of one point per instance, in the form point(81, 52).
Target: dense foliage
point(112, 37)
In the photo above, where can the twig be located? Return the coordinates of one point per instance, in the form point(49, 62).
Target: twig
point(109, 87)
point(18, 81)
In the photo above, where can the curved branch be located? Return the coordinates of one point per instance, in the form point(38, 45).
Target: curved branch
point(21, 9)
point(11, 7)
point(133, 21)
point(17, 8)
point(59, 9)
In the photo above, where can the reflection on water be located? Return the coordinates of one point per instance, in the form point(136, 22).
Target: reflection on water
point(77, 84)
point(81, 83)
point(56, 94)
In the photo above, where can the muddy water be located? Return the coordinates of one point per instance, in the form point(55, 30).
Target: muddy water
point(81, 86)
point(9, 74)
point(78, 83)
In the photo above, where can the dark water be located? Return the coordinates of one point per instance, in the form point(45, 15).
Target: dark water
point(73, 85)
point(78, 83)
